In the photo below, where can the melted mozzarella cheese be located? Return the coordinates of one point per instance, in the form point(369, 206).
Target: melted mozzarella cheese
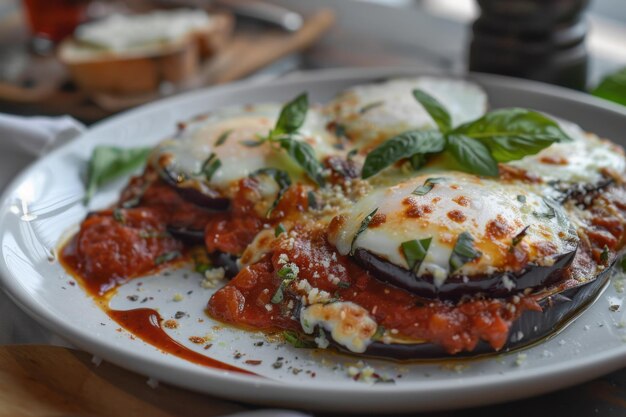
point(376, 112)
point(349, 324)
point(199, 140)
point(490, 211)
point(581, 161)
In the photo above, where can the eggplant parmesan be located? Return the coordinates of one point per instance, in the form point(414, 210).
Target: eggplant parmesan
point(401, 219)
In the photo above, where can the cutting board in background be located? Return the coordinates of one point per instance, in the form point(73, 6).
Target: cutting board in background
point(41, 85)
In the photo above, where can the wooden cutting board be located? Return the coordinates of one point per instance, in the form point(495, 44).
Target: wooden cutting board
point(49, 381)
point(41, 85)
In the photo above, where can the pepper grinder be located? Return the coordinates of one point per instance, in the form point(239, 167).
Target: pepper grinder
point(541, 40)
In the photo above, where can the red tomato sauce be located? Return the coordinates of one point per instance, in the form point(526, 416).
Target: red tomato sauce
point(245, 301)
point(115, 245)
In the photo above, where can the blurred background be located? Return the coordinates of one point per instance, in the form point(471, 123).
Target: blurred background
point(49, 67)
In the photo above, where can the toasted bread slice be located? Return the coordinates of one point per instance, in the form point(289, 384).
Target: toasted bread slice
point(141, 69)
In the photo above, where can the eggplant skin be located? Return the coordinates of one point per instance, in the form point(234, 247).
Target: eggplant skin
point(493, 285)
point(191, 236)
point(198, 198)
point(208, 198)
point(558, 311)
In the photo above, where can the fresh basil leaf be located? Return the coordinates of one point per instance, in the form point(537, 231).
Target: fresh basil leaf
point(282, 179)
point(210, 166)
point(415, 251)
point(304, 155)
point(223, 137)
point(364, 224)
point(511, 134)
point(110, 162)
point(463, 252)
point(613, 87)
point(472, 155)
point(402, 146)
point(435, 109)
point(292, 116)
point(427, 186)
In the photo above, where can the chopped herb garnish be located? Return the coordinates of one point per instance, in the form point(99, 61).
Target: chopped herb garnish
point(343, 284)
point(222, 138)
point(278, 230)
point(521, 198)
point(286, 272)
point(604, 256)
point(622, 264)
point(210, 166)
point(297, 340)
point(311, 200)
point(278, 295)
point(463, 251)
point(352, 154)
point(118, 215)
point(364, 224)
point(166, 257)
point(428, 185)
point(371, 106)
point(282, 179)
point(518, 238)
point(415, 251)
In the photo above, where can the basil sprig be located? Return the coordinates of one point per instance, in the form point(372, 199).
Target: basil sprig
point(290, 120)
point(499, 136)
point(108, 163)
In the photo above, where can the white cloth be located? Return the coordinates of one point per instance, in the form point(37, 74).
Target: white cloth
point(37, 135)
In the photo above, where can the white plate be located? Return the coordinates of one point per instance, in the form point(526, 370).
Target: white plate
point(43, 204)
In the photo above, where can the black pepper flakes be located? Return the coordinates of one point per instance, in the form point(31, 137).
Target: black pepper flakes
point(258, 344)
point(132, 297)
point(180, 314)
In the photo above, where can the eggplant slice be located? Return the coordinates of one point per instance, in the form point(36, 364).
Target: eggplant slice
point(454, 287)
point(194, 191)
point(559, 310)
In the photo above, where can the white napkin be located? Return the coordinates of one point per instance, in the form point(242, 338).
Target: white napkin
point(37, 135)
point(34, 136)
